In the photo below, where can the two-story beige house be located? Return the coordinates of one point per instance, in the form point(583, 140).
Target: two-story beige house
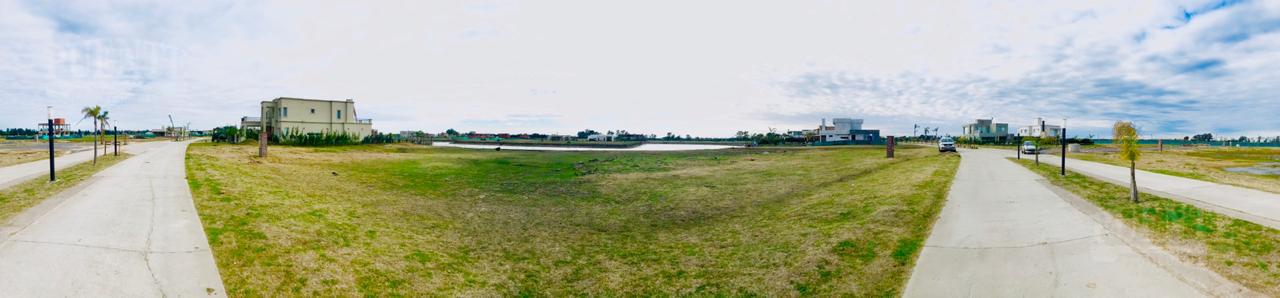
point(287, 115)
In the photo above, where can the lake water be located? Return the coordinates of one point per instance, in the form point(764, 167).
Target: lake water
point(642, 147)
point(1266, 168)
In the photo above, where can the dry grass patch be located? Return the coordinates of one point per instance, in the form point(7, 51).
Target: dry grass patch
point(1208, 164)
point(13, 157)
point(407, 220)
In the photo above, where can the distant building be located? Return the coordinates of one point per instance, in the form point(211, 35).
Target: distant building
point(599, 138)
point(254, 123)
point(287, 115)
point(844, 131)
point(1040, 129)
point(801, 133)
point(987, 131)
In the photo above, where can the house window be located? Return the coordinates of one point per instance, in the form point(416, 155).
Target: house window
point(284, 112)
point(339, 114)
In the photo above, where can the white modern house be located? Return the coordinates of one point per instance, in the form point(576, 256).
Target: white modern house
point(1040, 128)
point(847, 131)
point(839, 130)
point(599, 138)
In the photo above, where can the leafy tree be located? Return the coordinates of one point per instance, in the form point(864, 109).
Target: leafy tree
point(94, 112)
point(586, 133)
point(1204, 137)
point(1126, 137)
point(451, 132)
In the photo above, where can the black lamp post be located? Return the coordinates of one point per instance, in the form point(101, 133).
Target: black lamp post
point(52, 175)
point(1063, 137)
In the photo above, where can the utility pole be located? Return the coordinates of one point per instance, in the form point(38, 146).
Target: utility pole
point(52, 175)
point(173, 128)
point(115, 140)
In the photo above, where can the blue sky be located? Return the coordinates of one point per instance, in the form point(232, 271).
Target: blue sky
point(704, 68)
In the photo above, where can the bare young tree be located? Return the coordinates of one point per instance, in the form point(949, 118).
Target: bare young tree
point(1126, 137)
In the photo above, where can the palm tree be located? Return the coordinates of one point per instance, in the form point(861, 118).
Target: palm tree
point(94, 112)
point(102, 122)
point(1126, 136)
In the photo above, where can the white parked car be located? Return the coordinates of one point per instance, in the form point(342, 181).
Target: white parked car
point(946, 144)
point(1029, 148)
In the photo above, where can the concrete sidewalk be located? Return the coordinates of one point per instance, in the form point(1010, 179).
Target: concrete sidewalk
point(1004, 232)
point(130, 231)
point(1255, 206)
point(14, 174)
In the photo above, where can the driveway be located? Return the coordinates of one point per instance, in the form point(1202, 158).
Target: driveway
point(1004, 232)
point(130, 231)
point(1252, 205)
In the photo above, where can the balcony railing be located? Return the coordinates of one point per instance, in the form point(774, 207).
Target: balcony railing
point(369, 121)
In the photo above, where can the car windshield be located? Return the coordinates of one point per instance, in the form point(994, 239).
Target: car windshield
point(1027, 143)
point(948, 140)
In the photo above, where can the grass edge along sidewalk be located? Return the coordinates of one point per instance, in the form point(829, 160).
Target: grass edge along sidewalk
point(449, 221)
point(1204, 164)
point(19, 197)
point(1241, 251)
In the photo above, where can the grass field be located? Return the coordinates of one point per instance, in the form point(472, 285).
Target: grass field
point(392, 220)
point(1238, 250)
point(13, 157)
point(1206, 164)
point(22, 196)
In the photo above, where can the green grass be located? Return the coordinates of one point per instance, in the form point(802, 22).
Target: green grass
point(1238, 250)
point(15, 199)
point(1204, 163)
point(396, 220)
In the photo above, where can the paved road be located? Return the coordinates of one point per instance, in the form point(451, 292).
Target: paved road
point(130, 231)
point(14, 174)
point(1004, 232)
point(1256, 206)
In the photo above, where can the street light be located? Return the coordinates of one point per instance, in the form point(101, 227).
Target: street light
point(52, 176)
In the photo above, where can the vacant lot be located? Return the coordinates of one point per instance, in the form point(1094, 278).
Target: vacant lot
point(1208, 164)
point(13, 157)
point(1238, 250)
point(400, 220)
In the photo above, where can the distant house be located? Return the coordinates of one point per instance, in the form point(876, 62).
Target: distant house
point(287, 115)
point(599, 138)
point(846, 131)
point(1040, 129)
point(986, 130)
point(254, 123)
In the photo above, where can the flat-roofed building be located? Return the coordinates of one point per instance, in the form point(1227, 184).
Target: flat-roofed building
point(987, 130)
point(291, 116)
point(1041, 129)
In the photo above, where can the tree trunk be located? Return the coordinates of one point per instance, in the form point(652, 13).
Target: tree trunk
point(95, 142)
point(1133, 181)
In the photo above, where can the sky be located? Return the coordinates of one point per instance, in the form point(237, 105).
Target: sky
point(705, 68)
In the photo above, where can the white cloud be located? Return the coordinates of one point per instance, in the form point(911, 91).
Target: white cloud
point(703, 67)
